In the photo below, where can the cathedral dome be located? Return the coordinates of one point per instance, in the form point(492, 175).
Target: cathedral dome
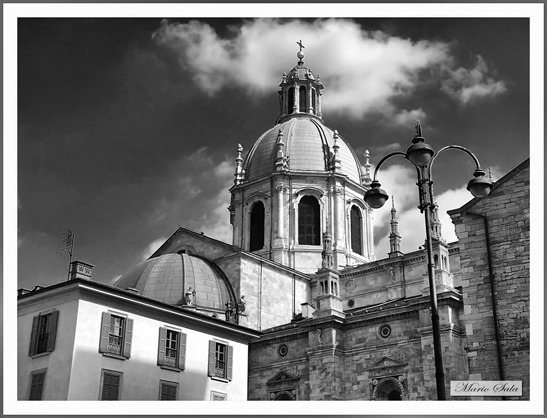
point(308, 145)
point(168, 277)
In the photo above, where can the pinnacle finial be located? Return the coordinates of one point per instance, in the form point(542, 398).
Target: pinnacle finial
point(299, 43)
point(239, 173)
point(365, 176)
point(418, 128)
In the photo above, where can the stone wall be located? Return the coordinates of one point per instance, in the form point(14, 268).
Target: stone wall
point(273, 293)
point(494, 240)
point(352, 358)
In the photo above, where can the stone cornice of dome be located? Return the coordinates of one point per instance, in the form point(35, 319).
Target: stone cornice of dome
point(299, 173)
point(105, 291)
point(299, 115)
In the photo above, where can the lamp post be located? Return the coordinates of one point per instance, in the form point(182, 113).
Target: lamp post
point(422, 156)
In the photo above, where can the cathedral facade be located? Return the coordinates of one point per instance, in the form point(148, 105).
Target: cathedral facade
point(300, 285)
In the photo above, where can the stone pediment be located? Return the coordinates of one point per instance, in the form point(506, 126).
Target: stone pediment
point(387, 363)
point(282, 377)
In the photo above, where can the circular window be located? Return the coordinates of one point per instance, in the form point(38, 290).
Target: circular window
point(283, 350)
point(351, 303)
point(384, 331)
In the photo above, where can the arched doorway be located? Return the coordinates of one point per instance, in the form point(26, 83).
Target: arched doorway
point(284, 396)
point(388, 389)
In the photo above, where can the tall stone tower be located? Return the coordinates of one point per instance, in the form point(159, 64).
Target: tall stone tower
point(298, 177)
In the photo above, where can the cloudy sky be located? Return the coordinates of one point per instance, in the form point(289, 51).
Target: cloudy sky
point(128, 128)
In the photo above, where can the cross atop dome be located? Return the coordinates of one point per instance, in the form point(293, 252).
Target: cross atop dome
point(300, 54)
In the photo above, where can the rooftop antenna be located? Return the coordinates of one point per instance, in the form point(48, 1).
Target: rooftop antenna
point(67, 247)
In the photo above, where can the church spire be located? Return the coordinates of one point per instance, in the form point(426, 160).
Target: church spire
point(436, 222)
point(394, 236)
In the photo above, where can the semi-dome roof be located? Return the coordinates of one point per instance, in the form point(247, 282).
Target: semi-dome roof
point(167, 278)
point(307, 146)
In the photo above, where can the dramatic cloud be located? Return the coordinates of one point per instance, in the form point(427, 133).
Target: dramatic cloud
point(151, 248)
point(216, 223)
point(407, 118)
point(467, 85)
point(363, 77)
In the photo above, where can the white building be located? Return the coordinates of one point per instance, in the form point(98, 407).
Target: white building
point(82, 340)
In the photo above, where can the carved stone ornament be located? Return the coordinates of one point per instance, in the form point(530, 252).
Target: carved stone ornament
point(386, 363)
point(282, 377)
point(350, 285)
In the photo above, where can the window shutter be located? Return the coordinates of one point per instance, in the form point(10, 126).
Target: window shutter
point(162, 346)
point(111, 386)
point(229, 365)
point(128, 338)
point(212, 358)
point(37, 386)
point(105, 329)
point(34, 335)
point(114, 387)
point(182, 351)
point(168, 392)
point(106, 387)
point(52, 331)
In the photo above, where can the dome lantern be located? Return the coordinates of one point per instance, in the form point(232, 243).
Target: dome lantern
point(300, 91)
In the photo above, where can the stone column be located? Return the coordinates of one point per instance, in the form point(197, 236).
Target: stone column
point(296, 98)
point(319, 94)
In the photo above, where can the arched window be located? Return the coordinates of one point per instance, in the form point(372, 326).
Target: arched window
point(256, 241)
point(308, 221)
point(290, 104)
point(356, 235)
point(302, 99)
point(313, 99)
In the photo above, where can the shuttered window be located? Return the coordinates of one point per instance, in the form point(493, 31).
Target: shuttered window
point(111, 385)
point(356, 231)
point(44, 333)
point(172, 349)
point(308, 221)
point(220, 360)
point(168, 391)
point(37, 380)
point(116, 335)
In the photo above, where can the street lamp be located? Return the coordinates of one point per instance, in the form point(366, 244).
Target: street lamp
point(422, 156)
